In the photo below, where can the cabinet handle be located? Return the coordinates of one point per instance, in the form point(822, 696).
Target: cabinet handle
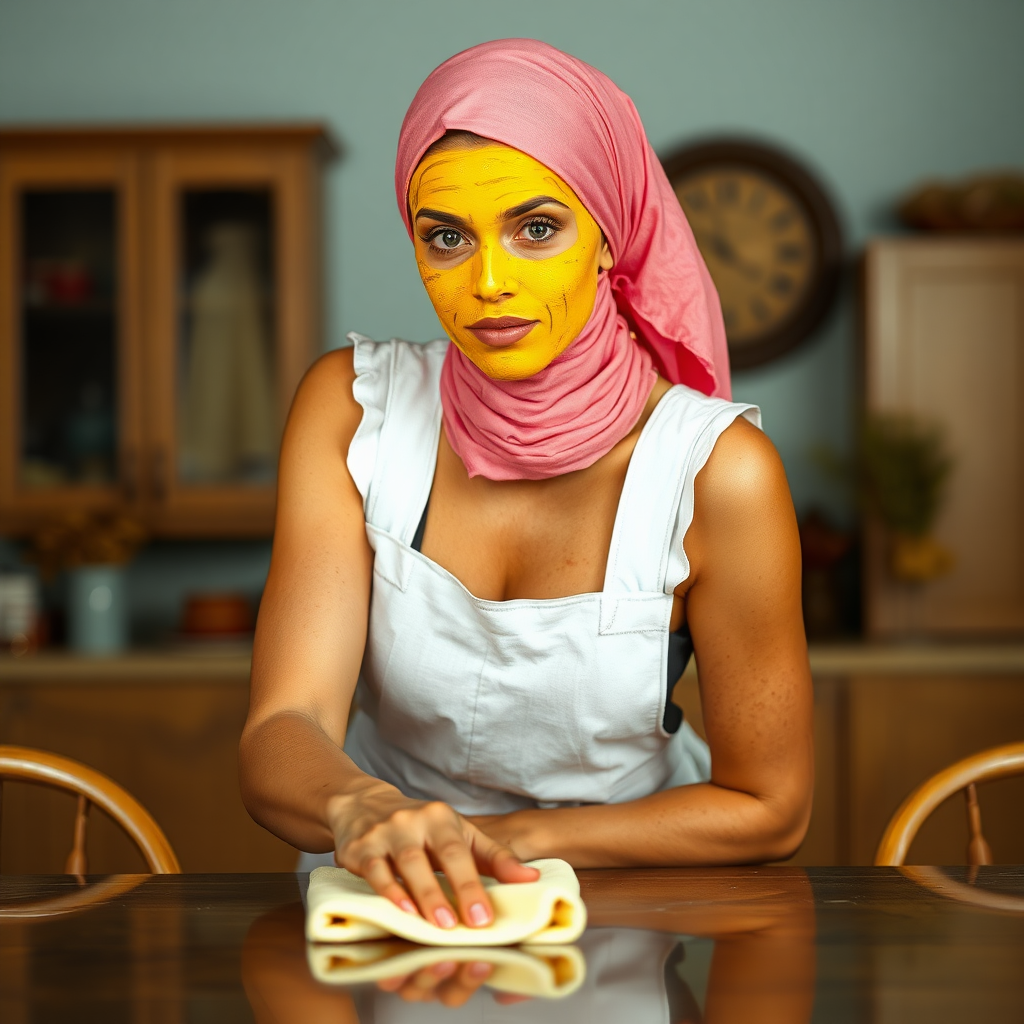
point(158, 477)
point(130, 474)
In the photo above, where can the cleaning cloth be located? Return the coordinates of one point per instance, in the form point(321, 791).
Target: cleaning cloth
point(342, 907)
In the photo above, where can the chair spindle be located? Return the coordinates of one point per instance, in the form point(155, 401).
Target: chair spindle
point(76, 862)
point(978, 850)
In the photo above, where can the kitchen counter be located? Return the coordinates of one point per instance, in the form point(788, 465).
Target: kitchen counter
point(166, 724)
point(231, 663)
point(228, 663)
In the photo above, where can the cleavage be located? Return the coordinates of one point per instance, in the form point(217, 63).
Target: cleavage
point(524, 539)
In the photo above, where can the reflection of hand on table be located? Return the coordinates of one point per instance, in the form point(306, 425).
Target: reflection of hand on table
point(545, 972)
point(450, 983)
point(276, 977)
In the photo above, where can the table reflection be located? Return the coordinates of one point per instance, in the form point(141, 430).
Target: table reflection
point(736, 948)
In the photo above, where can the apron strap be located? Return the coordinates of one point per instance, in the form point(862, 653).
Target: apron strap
point(409, 433)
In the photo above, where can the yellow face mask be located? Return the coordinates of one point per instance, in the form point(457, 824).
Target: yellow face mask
point(509, 256)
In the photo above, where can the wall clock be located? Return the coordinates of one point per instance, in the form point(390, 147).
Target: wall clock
point(770, 237)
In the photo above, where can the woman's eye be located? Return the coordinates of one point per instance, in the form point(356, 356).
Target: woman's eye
point(447, 238)
point(539, 231)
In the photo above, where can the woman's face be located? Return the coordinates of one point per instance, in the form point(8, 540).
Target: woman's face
point(509, 256)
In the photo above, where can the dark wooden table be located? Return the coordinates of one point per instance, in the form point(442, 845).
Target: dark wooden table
point(720, 945)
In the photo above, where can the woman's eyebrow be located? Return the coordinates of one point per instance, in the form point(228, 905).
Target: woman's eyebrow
point(531, 204)
point(445, 218)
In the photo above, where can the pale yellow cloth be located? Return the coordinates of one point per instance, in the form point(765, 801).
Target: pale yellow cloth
point(341, 907)
point(542, 972)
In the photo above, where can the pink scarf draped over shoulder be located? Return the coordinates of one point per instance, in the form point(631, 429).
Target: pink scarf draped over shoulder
point(573, 119)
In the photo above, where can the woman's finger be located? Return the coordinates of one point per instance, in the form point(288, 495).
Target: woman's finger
point(459, 989)
point(498, 861)
point(418, 875)
point(376, 870)
point(423, 986)
point(454, 857)
point(392, 984)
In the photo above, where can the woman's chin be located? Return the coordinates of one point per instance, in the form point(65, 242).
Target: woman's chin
point(509, 364)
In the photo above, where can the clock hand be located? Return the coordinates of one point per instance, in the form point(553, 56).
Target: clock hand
point(724, 250)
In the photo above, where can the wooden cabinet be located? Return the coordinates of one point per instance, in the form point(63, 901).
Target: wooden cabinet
point(166, 727)
point(159, 301)
point(944, 339)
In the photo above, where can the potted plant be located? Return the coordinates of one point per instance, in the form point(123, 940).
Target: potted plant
point(93, 548)
point(902, 473)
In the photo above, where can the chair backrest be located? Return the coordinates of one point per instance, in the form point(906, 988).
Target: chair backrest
point(22, 764)
point(995, 763)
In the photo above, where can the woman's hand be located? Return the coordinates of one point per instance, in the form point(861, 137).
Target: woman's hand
point(397, 844)
point(451, 983)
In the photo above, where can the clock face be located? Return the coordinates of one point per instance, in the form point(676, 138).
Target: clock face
point(758, 242)
point(770, 240)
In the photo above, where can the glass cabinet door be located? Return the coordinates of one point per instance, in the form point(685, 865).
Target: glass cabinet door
point(227, 423)
point(159, 303)
point(229, 298)
point(67, 333)
point(69, 337)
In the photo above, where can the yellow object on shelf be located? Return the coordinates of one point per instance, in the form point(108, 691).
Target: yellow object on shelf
point(919, 559)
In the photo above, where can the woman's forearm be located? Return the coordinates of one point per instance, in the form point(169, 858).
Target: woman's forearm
point(292, 777)
point(688, 825)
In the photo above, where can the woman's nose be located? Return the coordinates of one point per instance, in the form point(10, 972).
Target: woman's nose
point(493, 280)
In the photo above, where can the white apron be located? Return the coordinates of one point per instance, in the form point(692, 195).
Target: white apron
point(630, 977)
point(493, 706)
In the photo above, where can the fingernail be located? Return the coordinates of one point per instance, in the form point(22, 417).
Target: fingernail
point(478, 915)
point(446, 967)
point(444, 917)
point(408, 906)
point(479, 969)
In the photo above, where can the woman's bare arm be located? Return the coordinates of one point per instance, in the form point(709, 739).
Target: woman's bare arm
point(312, 622)
point(295, 778)
point(743, 609)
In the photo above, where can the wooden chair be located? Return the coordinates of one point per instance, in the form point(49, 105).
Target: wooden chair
point(996, 763)
point(21, 764)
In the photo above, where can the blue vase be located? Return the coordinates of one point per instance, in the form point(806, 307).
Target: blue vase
point(97, 616)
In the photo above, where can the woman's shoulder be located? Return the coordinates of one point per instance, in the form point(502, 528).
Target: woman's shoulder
point(368, 398)
point(743, 476)
point(695, 404)
point(353, 376)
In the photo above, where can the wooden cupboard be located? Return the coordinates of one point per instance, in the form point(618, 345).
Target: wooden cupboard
point(166, 727)
point(159, 301)
point(944, 340)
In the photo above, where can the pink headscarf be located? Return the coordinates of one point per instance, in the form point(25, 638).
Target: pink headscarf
point(573, 119)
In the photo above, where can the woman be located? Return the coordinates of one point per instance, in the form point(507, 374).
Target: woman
point(509, 586)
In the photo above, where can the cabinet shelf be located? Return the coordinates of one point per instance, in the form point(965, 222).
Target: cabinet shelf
point(69, 311)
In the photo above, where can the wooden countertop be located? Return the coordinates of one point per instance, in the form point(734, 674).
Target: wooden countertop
point(231, 664)
point(762, 944)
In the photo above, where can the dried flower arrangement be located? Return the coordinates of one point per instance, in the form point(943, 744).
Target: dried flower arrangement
point(84, 538)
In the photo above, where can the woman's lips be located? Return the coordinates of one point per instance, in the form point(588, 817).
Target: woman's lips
point(502, 331)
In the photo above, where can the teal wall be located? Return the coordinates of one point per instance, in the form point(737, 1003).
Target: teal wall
point(874, 94)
